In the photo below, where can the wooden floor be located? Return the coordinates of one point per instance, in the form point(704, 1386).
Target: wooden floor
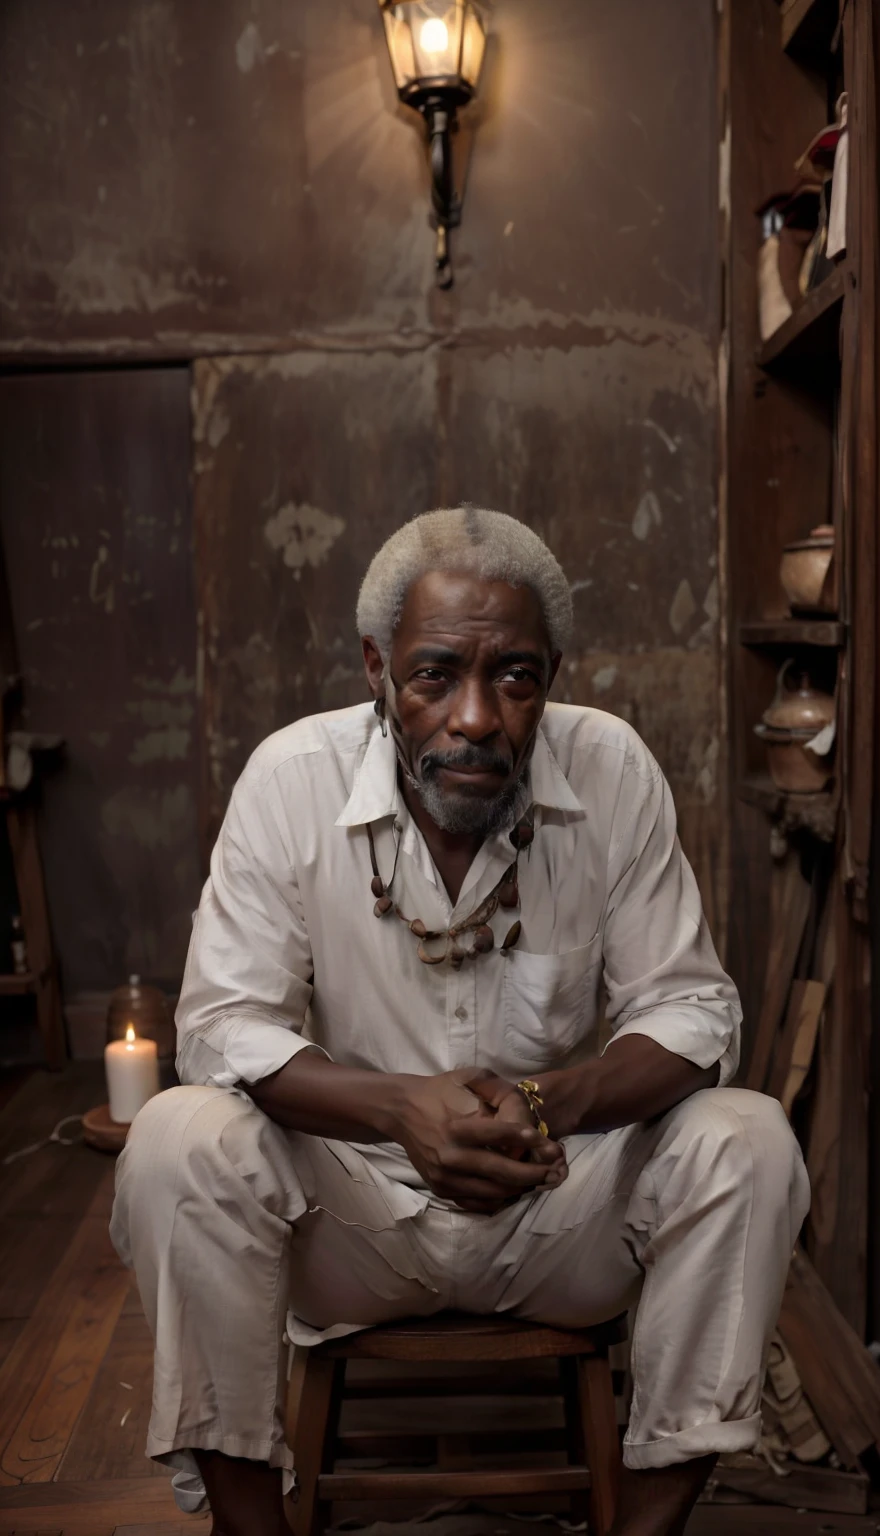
point(74, 1347)
point(75, 1354)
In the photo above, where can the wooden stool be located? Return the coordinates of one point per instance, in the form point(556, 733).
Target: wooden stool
point(317, 1389)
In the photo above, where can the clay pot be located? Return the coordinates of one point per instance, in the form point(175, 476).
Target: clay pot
point(795, 717)
point(147, 1009)
point(793, 767)
point(796, 704)
point(807, 572)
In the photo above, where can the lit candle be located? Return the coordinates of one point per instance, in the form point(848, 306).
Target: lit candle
point(132, 1068)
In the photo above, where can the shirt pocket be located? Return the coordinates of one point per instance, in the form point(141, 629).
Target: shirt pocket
point(546, 1002)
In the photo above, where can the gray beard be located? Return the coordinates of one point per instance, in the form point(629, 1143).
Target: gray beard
point(471, 814)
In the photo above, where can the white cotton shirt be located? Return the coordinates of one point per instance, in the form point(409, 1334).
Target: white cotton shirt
point(286, 951)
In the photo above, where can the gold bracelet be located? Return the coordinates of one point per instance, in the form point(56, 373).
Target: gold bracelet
point(532, 1095)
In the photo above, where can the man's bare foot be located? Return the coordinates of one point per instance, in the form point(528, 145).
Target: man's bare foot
point(658, 1501)
point(245, 1496)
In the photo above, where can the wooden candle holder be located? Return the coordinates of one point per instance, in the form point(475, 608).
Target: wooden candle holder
point(101, 1132)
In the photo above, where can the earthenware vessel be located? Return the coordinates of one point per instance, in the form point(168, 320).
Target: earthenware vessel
point(807, 572)
point(795, 728)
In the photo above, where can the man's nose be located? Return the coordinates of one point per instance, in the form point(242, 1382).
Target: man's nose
point(475, 713)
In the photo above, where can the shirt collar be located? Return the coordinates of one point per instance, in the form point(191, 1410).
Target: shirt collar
point(375, 792)
point(549, 787)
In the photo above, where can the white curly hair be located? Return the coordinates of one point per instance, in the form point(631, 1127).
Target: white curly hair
point(469, 539)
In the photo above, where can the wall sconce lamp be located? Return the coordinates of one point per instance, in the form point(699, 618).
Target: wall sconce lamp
point(437, 49)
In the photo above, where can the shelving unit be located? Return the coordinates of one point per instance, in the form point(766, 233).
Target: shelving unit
point(808, 28)
point(18, 808)
point(41, 980)
point(815, 814)
point(800, 449)
point(812, 332)
point(826, 633)
point(18, 986)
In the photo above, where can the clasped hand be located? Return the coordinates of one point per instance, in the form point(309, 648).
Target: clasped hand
point(471, 1136)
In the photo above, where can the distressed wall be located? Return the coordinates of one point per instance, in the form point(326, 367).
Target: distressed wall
point(94, 515)
point(230, 186)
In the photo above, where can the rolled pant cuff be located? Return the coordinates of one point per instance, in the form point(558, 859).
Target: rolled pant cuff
point(186, 1484)
point(704, 1439)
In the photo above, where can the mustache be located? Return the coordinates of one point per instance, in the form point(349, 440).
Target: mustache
point(481, 759)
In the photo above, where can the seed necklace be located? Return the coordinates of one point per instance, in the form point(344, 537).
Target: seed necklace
point(472, 936)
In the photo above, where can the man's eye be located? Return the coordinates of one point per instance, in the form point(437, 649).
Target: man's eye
point(429, 675)
point(520, 675)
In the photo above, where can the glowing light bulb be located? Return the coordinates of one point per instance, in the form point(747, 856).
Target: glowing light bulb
point(130, 1037)
point(434, 36)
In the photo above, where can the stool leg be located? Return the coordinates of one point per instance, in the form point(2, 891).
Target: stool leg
point(599, 1428)
point(574, 1436)
point(314, 1399)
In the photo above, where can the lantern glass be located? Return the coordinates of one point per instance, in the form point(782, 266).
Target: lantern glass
point(473, 47)
point(399, 39)
point(434, 41)
point(436, 29)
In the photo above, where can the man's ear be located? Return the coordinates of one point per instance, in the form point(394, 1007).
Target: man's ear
point(374, 666)
point(554, 668)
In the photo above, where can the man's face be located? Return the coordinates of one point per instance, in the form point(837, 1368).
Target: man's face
point(470, 670)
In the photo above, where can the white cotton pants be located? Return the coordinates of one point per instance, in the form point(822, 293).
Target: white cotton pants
point(238, 1229)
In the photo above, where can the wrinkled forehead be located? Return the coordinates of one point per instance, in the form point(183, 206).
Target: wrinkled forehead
point(468, 606)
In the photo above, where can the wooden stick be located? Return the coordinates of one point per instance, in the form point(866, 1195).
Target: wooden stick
point(789, 907)
point(837, 1373)
point(797, 1042)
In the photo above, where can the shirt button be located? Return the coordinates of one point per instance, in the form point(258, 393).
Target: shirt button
point(460, 1013)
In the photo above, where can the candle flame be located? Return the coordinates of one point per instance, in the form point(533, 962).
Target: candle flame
point(130, 1036)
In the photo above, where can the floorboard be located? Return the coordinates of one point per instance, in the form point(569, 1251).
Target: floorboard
point(52, 1181)
point(109, 1439)
point(10, 1328)
point(75, 1359)
point(31, 1248)
point(47, 1533)
point(43, 1098)
point(192, 1525)
point(741, 1520)
point(90, 1509)
point(11, 1079)
point(49, 1371)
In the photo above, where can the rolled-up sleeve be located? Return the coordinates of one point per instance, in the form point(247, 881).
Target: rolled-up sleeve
point(248, 978)
point(662, 975)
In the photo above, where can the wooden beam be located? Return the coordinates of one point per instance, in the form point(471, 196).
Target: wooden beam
point(837, 1373)
point(800, 1487)
point(837, 1148)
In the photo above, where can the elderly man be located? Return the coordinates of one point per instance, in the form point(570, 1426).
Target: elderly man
point(392, 1104)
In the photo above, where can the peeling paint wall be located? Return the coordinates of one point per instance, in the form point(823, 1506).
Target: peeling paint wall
point(569, 378)
point(231, 183)
point(96, 528)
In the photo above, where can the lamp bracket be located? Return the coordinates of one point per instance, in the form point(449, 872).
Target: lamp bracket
point(440, 117)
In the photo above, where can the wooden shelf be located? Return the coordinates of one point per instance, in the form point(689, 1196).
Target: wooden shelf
point(824, 632)
point(17, 986)
point(811, 813)
point(812, 333)
point(808, 28)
